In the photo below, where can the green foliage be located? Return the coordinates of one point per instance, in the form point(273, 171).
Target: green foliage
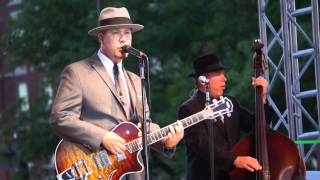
point(53, 33)
point(33, 130)
point(28, 136)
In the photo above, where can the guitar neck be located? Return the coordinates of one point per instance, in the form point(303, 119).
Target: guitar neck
point(186, 122)
point(217, 108)
point(160, 134)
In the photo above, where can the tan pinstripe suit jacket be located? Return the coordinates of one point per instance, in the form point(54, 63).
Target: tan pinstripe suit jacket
point(87, 104)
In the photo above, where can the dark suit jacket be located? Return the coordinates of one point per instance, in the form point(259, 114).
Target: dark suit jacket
point(197, 138)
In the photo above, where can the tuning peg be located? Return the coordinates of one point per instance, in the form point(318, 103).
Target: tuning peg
point(222, 99)
point(229, 114)
point(214, 101)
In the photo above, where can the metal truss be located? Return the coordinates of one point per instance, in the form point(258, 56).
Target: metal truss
point(292, 47)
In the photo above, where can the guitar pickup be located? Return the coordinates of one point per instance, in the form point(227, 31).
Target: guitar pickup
point(121, 156)
point(101, 159)
point(105, 158)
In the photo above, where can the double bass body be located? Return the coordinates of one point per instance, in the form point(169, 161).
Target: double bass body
point(277, 154)
point(284, 159)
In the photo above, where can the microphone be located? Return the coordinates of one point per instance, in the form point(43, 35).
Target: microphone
point(203, 79)
point(133, 51)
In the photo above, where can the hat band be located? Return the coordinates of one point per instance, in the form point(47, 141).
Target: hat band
point(209, 68)
point(116, 20)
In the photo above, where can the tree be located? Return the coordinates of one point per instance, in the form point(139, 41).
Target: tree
point(53, 33)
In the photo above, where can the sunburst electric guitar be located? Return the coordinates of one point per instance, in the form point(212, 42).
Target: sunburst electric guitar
point(74, 161)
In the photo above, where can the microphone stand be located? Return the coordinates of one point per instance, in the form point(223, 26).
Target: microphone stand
point(145, 155)
point(211, 132)
point(142, 58)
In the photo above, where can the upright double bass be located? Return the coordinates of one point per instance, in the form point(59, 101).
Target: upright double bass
point(277, 154)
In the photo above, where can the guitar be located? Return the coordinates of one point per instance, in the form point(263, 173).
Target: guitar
point(75, 161)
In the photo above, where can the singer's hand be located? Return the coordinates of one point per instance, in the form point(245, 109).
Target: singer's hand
point(174, 136)
point(114, 143)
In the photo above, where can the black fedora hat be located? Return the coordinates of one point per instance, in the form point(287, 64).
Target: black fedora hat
point(206, 63)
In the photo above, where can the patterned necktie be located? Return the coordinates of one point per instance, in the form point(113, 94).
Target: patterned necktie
point(120, 87)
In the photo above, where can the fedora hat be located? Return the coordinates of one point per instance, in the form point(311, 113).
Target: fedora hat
point(111, 18)
point(206, 63)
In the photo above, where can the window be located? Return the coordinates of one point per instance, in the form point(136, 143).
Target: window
point(23, 96)
point(14, 2)
point(20, 71)
point(14, 14)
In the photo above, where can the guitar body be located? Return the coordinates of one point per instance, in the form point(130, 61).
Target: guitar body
point(68, 155)
point(75, 161)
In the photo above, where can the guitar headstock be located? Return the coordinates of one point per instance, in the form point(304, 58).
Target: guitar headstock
point(218, 108)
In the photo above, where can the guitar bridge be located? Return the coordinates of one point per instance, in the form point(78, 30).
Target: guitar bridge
point(79, 170)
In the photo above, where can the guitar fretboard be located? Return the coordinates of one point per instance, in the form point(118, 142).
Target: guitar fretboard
point(219, 108)
point(158, 135)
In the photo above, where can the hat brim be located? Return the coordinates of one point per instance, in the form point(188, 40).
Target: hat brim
point(133, 27)
point(195, 74)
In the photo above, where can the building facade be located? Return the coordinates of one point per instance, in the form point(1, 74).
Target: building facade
point(16, 84)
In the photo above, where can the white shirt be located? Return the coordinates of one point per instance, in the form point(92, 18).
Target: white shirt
point(108, 65)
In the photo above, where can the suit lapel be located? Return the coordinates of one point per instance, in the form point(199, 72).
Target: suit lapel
point(99, 68)
point(135, 101)
point(131, 88)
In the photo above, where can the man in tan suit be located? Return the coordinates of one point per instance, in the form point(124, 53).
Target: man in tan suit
point(91, 100)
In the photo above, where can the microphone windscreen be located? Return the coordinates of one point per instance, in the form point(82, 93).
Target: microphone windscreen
point(203, 79)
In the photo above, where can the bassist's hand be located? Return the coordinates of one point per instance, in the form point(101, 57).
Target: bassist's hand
point(248, 163)
point(261, 81)
point(113, 143)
